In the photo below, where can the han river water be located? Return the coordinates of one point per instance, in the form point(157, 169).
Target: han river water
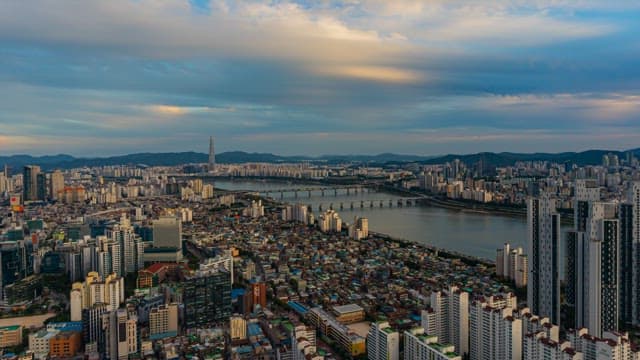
point(470, 233)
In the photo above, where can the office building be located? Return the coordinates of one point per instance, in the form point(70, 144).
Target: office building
point(421, 346)
point(448, 318)
point(167, 232)
point(163, 321)
point(93, 335)
point(33, 184)
point(207, 296)
point(543, 253)
point(383, 343)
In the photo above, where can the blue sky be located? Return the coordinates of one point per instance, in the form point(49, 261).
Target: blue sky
point(318, 77)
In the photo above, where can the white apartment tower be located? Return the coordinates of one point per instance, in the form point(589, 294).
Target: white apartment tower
point(543, 284)
point(421, 346)
point(383, 343)
point(448, 318)
point(494, 331)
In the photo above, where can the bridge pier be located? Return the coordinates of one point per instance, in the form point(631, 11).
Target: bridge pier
point(331, 206)
point(296, 194)
point(320, 207)
point(348, 192)
point(371, 203)
point(335, 192)
point(281, 195)
point(341, 206)
point(381, 204)
point(309, 193)
point(322, 191)
point(361, 204)
point(352, 205)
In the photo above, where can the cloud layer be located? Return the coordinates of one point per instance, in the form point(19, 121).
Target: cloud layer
point(426, 77)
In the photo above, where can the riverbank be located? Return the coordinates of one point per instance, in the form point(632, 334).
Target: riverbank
point(450, 254)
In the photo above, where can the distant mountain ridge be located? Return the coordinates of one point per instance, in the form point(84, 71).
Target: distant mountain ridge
point(63, 161)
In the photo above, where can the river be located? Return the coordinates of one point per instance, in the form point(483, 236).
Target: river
point(477, 234)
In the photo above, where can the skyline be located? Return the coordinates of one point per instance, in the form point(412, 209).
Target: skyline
point(311, 78)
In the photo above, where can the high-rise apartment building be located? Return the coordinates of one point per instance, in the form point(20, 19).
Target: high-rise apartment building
point(131, 246)
point(512, 264)
point(494, 331)
point(421, 346)
point(56, 185)
point(543, 252)
point(383, 343)
point(448, 318)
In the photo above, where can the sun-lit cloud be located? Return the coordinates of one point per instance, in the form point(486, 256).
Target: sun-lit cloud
point(373, 73)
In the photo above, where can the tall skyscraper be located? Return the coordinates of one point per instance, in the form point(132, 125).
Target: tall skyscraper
point(212, 155)
point(543, 285)
point(635, 223)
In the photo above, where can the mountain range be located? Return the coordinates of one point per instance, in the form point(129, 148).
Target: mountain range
point(63, 161)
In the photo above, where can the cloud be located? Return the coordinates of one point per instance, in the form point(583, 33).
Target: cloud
point(373, 73)
point(475, 73)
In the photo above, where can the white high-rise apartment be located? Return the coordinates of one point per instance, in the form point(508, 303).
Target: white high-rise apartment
point(130, 246)
point(537, 346)
point(94, 291)
point(494, 331)
point(543, 252)
point(448, 318)
point(421, 346)
point(612, 345)
point(383, 343)
point(512, 264)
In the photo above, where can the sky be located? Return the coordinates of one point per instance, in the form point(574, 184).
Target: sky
point(97, 78)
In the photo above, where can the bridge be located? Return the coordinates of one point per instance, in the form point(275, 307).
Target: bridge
point(371, 203)
point(321, 190)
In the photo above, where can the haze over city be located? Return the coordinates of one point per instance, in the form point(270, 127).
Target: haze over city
point(317, 77)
